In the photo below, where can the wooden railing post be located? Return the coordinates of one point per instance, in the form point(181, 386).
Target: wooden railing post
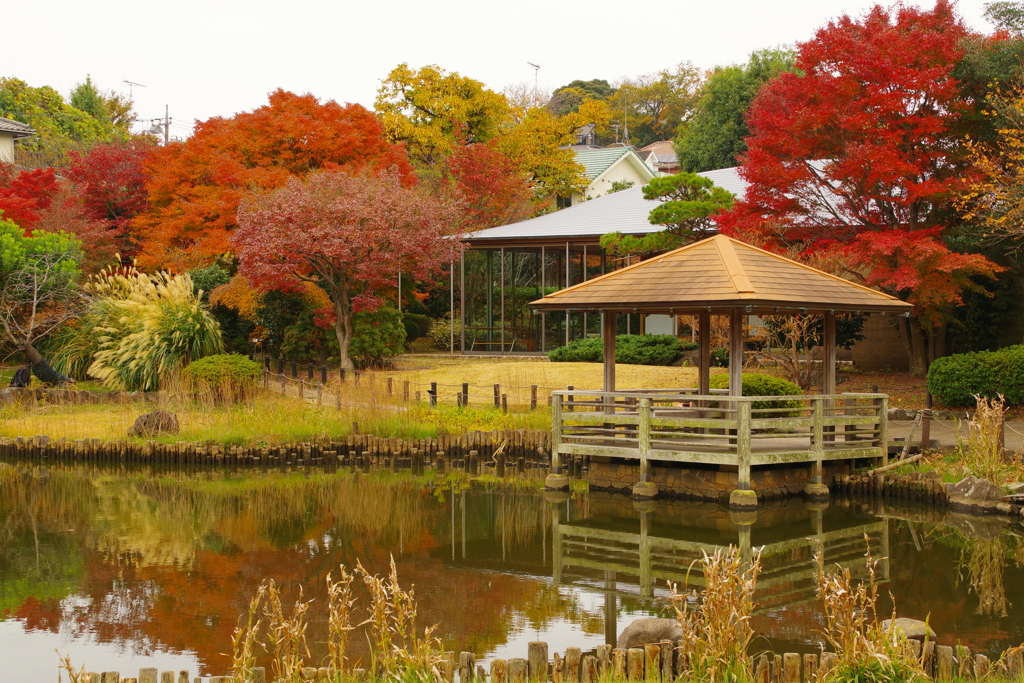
point(882, 405)
point(644, 439)
point(556, 433)
point(743, 444)
point(817, 436)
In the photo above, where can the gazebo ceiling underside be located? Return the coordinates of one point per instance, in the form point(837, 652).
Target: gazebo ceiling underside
point(718, 274)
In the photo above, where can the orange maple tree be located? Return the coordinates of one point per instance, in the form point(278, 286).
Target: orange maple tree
point(195, 186)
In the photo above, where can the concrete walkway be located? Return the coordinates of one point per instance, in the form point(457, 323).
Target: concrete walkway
point(947, 433)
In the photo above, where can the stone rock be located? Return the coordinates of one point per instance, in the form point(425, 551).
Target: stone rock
point(1016, 487)
point(912, 628)
point(157, 422)
point(974, 489)
point(646, 631)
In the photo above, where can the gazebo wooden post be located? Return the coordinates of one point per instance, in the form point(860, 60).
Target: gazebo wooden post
point(704, 353)
point(817, 488)
point(608, 337)
point(735, 352)
point(742, 498)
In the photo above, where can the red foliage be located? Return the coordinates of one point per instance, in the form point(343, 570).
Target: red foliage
point(351, 234)
point(492, 189)
point(859, 149)
point(65, 213)
point(111, 183)
point(24, 195)
point(195, 187)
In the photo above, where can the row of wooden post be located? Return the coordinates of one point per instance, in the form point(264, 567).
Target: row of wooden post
point(654, 663)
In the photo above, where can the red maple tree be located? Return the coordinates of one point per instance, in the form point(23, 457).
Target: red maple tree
point(350, 234)
point(111, 186)
point(859, 151)
point(195, 186)
point(24, 195)
point(490, 186)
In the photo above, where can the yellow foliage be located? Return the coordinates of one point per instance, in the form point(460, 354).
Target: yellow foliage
point(996, 197)
point(238, 295)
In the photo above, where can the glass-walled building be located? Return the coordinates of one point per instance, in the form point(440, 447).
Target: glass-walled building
point(507, 267)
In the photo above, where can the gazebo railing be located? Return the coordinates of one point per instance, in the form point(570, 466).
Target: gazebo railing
point(744, 431)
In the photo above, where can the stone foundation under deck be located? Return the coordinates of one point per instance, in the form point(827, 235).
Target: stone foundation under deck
point(707, 482)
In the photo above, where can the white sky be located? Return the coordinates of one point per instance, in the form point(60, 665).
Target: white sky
point(218, 57)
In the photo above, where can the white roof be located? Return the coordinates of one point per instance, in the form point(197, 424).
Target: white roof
point(625, 211)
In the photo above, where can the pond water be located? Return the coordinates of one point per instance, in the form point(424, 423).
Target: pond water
point(123, 568)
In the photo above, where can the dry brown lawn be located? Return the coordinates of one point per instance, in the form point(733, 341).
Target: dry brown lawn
point(516, 375)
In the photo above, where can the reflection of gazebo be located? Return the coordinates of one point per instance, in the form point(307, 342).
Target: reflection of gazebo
point(718, 276)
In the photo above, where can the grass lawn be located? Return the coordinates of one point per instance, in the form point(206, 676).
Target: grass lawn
point(516, 375)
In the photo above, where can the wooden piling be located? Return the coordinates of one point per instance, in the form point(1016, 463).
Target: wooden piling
point(571, 667)
point(619, 663)
point(467, 666)
point(537, 657)
point(652, 662)
point(589, 672)
point(517, 670)
point(499, 671)
point(635, 663)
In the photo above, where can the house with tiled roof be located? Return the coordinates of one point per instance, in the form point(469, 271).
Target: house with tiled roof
point(661, 156)
point(607, 166)
point(10, 131)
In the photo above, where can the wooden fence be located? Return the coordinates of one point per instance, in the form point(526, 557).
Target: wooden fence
point(654, 663)
point(473, 452)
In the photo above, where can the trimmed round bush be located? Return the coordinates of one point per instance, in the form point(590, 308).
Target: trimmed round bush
point(630, 349)
point(956, 379)
point(227, 377)
point(757, 384)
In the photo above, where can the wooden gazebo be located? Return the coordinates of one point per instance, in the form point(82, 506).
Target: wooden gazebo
point(718, 276)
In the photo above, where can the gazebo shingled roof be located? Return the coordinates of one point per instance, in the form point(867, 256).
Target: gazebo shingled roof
point(720, 273)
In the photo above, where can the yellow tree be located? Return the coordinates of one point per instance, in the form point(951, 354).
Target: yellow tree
point(433, 111)
point(540, 141)
point(995, 198)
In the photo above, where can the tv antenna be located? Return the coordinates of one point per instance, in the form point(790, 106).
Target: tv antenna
point(536, 70)
point(132, 83)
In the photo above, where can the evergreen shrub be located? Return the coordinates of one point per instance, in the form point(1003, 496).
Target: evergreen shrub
point(227, 377)
point(956, 379)
point(757, 384)
point(630, 349)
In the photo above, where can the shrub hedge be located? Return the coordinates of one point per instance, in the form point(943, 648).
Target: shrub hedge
point(227, 377)
point(757, 384)
point(956, 379)
point(630, 349)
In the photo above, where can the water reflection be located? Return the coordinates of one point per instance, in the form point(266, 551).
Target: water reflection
point(113, 561)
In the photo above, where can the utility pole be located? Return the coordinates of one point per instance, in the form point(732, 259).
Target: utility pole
point(167, 122)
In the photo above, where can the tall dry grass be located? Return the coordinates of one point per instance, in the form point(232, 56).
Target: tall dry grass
point(398, 651)
point(982, 453)
point(716, 630)
point(866, 650)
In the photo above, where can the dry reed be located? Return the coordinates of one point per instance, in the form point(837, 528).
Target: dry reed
point(286, 634)
point(244, 640)
point(866, 650)
point(717, 632)
point(340, 606)
point(398, 652)
point(982, 454)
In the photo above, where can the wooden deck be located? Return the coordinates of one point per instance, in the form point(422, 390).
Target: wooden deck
point(681, 426)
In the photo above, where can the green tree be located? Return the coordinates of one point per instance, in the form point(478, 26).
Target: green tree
point(688, 203)
point(651, 107)
point(59, 124)
point(713, 137)
point(39, 290)
point(568, 98)
point(1008, 16)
